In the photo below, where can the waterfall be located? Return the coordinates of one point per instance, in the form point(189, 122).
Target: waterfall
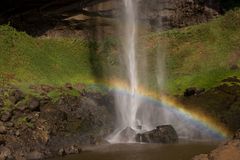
point(127, 105)
point(130, 55)
point(135, 113)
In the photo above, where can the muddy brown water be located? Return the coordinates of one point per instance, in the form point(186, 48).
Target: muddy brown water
point(183, 151)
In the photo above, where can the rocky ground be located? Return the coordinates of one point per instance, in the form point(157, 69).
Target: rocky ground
point(47, 121)
point(36, 127)
point(227, 151)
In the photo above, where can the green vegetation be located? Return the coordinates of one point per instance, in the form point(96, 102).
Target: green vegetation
point(197, 56)
point(24, 120)
point(206, 53)
point(202, 55)
point(51, 61)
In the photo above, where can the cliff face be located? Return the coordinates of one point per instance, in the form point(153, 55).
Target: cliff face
point(38, 17)
point(167, 14)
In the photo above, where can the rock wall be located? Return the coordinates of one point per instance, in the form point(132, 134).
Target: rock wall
point(38, 127)
point(167, 14)
point(101, 16)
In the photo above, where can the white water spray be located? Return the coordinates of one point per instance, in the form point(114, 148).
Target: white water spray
point(135, 114)
point(130, 54)
point(127, 105)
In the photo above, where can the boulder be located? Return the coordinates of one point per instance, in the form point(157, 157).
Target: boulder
point(6, 116)
point(34, 104)
point(74, 149)
point(193, 91)
point(3, 129)
point(16, 96)
point(162, 134)
point(21, 106)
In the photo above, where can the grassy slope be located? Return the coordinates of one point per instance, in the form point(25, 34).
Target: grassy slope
point(202, 55)
point(43, 60)
point(198, 56)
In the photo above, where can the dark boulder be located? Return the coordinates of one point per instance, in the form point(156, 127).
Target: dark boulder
point(193, 91)
point(73, 149)
point(34, 104)
point(162, 134)
point(16, 96)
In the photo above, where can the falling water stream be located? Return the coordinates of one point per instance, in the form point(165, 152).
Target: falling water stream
point(127, 105)
point(135, 114)
point(130, 53)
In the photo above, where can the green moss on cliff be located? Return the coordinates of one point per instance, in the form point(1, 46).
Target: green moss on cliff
point(199, 56)
point(52, 61)
point(202, 55)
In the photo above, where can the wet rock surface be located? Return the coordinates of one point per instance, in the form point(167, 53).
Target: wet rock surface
point(39, 127)
point(162, 134)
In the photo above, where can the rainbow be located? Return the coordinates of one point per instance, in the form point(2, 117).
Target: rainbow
point(216, 128)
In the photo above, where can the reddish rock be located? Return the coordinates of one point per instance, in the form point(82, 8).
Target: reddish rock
point(227, 151)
